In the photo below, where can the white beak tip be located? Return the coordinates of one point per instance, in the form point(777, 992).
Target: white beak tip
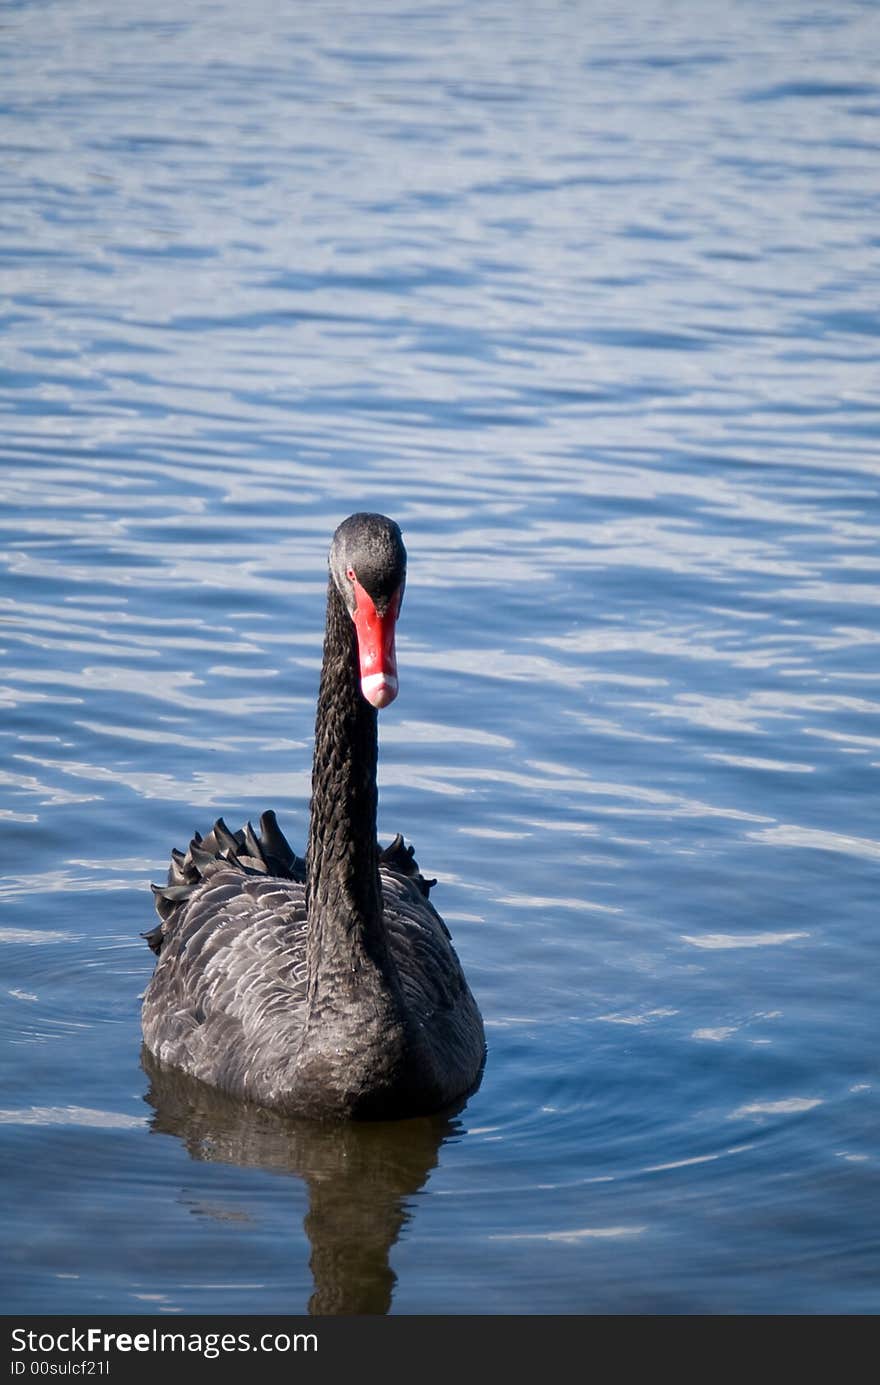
point(379, 688)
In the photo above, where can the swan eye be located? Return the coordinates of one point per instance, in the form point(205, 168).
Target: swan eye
point(350, 574)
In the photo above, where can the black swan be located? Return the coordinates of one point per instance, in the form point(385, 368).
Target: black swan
point(326, 988)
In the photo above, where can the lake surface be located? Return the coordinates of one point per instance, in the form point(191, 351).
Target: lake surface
point(586, 298)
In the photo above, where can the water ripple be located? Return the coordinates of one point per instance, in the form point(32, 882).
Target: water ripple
point(583, 299)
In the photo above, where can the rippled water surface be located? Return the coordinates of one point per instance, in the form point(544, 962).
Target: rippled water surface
point(585, 297)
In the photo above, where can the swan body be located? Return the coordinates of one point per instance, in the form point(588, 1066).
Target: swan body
point(326, 987)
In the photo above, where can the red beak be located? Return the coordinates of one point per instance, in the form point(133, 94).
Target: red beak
point(376, 655)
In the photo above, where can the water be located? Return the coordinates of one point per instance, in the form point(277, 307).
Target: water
point(585, 297)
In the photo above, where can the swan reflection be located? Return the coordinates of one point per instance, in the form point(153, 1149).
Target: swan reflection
point(359, 1176)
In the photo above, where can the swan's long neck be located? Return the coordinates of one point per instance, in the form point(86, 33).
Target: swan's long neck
point(346, 933)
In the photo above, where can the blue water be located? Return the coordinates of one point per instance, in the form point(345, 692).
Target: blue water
point(585, 296)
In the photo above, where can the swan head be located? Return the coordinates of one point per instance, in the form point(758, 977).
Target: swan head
point(368, 567)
